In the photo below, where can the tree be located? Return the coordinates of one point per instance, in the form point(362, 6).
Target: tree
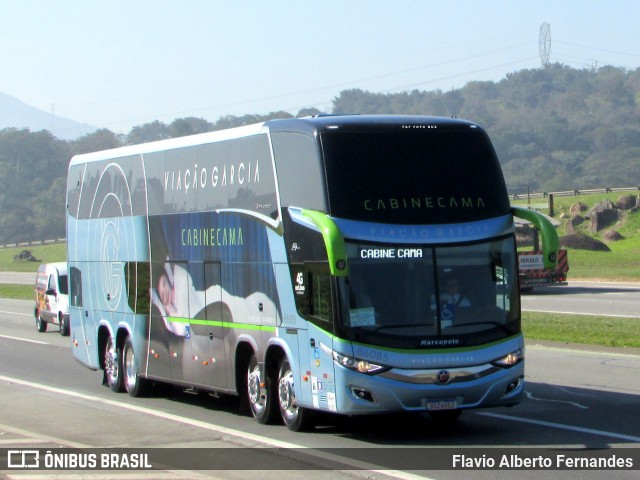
point(102, 139)
point(30, 164)
point(308, 112)
point(181, 127)
point(149, 132)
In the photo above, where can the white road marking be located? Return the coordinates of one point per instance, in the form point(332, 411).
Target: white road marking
point(580, 313)
point(561, 426)
point(17, 313)
point(531, 397)
point(24, 340)
point(216, 428)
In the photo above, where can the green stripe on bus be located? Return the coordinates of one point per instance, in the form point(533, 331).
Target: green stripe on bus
point(219, 323)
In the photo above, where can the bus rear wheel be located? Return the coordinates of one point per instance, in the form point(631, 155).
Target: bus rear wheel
point(259, 393)
point(112, 365)
point(296, 418)
point(133, 383)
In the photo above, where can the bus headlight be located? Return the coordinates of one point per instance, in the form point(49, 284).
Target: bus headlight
point(509, 360)
point(358, 365)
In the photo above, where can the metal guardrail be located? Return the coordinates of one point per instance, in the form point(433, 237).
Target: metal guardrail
point(34, 243)
point(573, 193)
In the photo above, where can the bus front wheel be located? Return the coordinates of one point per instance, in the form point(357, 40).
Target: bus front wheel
point(259, 393)
point(296, 418)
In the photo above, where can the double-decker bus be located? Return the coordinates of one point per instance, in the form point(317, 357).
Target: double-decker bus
point(346, 264)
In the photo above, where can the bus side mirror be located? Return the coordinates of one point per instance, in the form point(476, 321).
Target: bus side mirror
point(333, 240)
point(550, 241)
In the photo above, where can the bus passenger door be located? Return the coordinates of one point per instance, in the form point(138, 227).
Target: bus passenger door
point(313, 300)
point(169, 328)
point(207, 336)
point(82, 326)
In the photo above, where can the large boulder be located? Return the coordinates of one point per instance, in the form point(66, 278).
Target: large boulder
point(603, 215)
point(626, 202)
point(581, 241)
point(573, 222)
point(612, 236)
point(577, 209)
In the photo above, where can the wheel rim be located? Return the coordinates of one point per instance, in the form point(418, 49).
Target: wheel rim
point(256, 399)
point(111, 362)
point(130, 368)
point(286, 395)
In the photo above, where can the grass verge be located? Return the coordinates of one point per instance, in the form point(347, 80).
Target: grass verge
point(584, 329)
point(17, 292)
point(44, 253)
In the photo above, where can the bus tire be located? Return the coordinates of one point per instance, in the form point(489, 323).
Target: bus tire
point(296, 418)
point(135, 385)
point(261, 399)
point(41, 325)
point(113, 365)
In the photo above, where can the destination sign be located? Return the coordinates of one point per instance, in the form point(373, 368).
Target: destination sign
point(382, 253)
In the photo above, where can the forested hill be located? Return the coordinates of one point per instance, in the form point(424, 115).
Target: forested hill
point(554, 129)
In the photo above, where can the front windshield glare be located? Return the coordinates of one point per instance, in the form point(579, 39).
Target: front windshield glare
point(417, 291)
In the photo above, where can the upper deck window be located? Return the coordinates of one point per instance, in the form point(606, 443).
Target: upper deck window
point(412, 176)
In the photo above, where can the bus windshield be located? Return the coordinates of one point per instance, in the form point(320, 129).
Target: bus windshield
point(411, 297)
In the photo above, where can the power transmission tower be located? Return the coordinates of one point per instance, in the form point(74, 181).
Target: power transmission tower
point(545, 44)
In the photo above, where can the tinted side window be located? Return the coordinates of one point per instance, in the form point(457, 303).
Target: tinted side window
point(138, 285)
point(312, 291)
point(299, 171)
point(76, 287)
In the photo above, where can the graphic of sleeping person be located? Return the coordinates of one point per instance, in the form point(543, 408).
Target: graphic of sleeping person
point(176, 296)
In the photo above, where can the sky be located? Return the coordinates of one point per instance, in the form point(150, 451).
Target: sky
point(120, 63)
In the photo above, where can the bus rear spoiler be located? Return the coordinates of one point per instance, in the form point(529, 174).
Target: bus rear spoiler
point(550, 240)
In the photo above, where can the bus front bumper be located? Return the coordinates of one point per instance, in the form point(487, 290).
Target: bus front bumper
point(398, 390)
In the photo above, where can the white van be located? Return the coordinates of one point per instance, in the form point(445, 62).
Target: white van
point(52, 297)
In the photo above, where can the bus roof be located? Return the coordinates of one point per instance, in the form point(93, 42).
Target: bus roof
point(170, 143)
point(330, 122)
point(308, 125)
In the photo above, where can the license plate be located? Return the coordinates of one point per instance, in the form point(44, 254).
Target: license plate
point(442, 405)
